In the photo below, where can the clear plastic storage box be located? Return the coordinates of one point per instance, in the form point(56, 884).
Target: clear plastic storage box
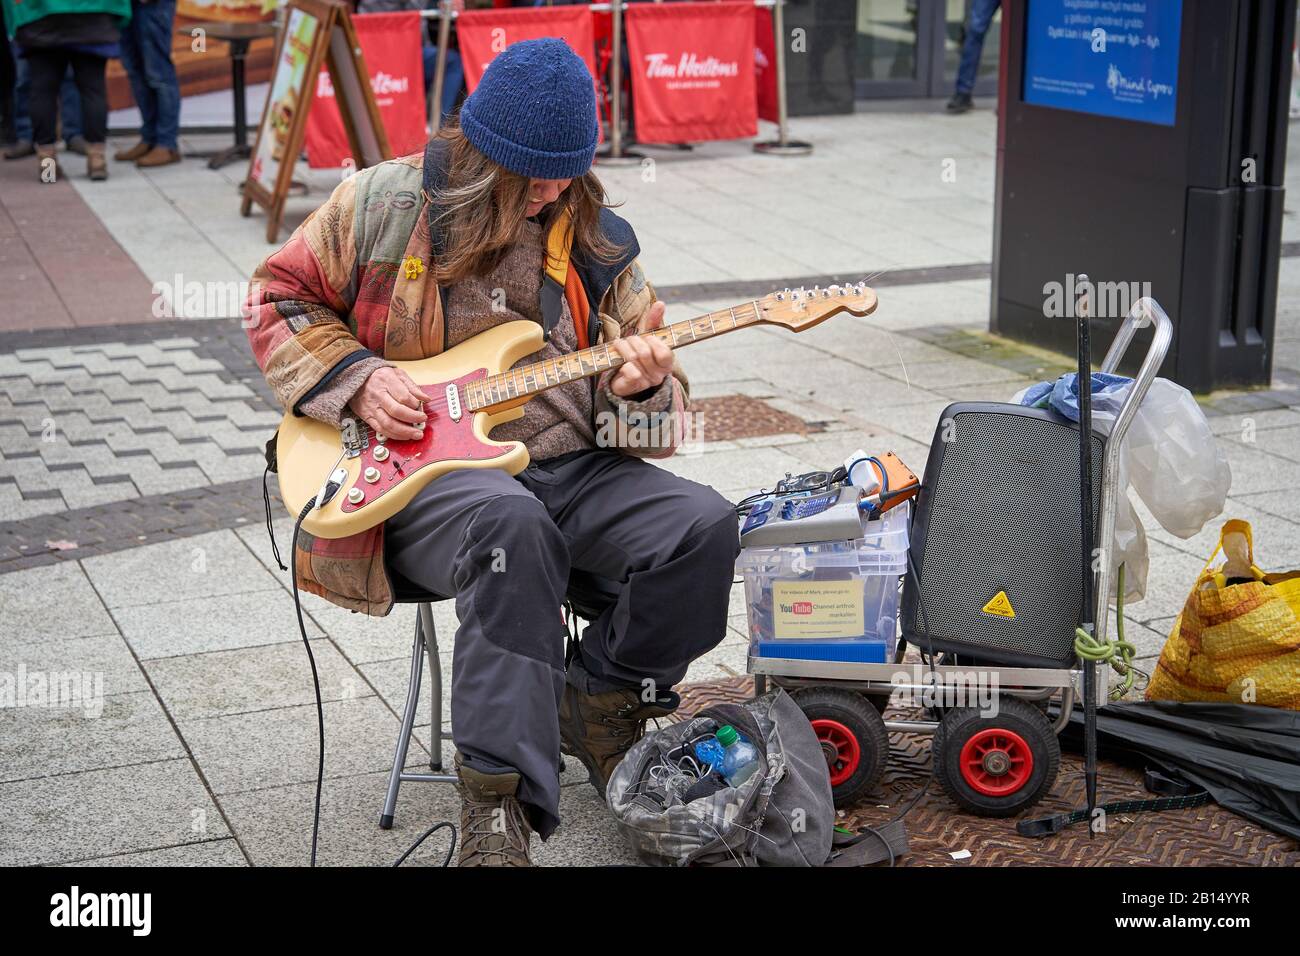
point(828, 600)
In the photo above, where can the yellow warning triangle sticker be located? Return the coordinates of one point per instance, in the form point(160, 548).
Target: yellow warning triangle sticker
point(1000, 605)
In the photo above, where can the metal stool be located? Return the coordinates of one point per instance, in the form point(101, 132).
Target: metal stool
point(587, 597)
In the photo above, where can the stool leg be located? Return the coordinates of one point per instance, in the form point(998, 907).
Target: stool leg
point(404, 735)
point(435, 686)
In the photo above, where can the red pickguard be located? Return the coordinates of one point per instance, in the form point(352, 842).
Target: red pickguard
point(444, 439)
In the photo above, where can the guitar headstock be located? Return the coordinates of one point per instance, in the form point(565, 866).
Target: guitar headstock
point(800, 309)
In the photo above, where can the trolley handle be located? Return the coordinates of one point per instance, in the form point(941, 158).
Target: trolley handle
point(1144, 311)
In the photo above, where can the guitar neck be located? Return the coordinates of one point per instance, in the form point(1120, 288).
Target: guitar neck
point(508, 388)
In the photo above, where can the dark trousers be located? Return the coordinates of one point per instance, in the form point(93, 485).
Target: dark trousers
point(47, 68)
point(147, 58)
point(981, 16)
point(503, 547)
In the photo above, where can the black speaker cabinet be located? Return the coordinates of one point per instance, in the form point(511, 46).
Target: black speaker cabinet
point(996, 537)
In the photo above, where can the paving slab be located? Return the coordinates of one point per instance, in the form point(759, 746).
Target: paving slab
point(52, 603)
point(105, 656)
point(209, 853)
point(227, 682)
point(105, 812)
point(205, 565)
point(270, 748)
point(116, 731)
point(224, 622)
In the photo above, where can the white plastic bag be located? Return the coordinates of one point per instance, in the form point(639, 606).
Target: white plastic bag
point(1175, 465)
point(1174, 460)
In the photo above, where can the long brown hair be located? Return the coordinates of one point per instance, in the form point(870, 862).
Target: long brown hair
point(483, 211)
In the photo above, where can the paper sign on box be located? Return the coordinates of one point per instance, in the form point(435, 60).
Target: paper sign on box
point(818, 609)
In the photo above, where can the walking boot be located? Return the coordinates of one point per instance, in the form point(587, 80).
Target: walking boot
point(494, 830)
point(159, 156)
point(96, 162)
point(960, 103)
point(48, 168)
point(134, 153)
point(20, 150)
point(599, 729)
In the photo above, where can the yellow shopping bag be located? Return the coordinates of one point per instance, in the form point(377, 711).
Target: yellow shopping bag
point(1235, 643)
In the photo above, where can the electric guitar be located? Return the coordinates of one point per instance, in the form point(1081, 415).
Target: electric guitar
point(474, 388)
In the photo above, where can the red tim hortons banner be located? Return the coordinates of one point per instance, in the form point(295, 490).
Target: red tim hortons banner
point(483, 34)
point(390, 43)
point(692, 70)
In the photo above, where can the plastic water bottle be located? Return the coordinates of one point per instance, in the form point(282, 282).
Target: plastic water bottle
point(740, 757)
point(710, 753)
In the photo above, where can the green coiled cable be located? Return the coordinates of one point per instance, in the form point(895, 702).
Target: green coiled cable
point(1119, 653)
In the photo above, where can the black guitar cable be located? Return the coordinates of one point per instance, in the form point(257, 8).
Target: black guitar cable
point(315, 675)
point(322, 498)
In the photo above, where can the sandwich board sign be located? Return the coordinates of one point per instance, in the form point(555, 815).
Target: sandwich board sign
point(314, 32)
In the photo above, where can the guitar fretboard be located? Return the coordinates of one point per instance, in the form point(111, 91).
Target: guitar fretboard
point(538, 376)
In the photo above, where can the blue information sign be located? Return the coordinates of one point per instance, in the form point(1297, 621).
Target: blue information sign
point(1108, 57)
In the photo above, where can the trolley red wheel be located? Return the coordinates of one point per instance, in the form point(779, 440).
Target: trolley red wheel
point(996, 765)
point(996, 762)
point(842, 751)
point(852, 736)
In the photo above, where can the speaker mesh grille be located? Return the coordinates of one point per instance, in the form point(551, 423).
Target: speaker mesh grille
point(1003, 515)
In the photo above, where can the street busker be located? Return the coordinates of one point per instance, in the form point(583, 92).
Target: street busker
point(359, 284)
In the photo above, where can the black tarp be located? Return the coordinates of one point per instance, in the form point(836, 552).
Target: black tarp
point(1247, 756)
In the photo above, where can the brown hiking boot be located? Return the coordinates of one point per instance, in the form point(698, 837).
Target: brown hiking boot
point(159, 156)
point(96, 162)
point(47, 158)
point(134, 153)
point(599, 729)
point(494, 830)
point(19, 150)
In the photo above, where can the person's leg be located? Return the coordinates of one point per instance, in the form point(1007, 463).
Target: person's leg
point(70, 108)
point(671, 544)
point(90, 72)
point(480, 536)
point(8, 80)
point(45, 74)
point(154, 38)
point(132, 55)
point(981, 16)
point(22, 97)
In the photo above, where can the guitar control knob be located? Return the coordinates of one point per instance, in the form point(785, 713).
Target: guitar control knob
point(381, 453)
point(371, 475)
point(380, 438)
point(356, 496)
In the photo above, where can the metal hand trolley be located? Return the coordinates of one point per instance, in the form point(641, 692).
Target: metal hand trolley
point(844, 701)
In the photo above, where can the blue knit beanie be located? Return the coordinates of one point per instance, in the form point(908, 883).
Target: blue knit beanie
point(534, 111)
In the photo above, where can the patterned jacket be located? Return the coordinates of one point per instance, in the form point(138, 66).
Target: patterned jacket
point(345, 287)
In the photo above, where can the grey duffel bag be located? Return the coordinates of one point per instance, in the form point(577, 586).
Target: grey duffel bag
point(784, 817)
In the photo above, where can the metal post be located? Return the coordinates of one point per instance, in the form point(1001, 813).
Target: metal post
point(614, 154)
point(1087, 583)
point(783, 145)
point(440, 65)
